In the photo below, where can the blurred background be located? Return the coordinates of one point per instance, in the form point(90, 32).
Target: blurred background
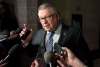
point(15, 13)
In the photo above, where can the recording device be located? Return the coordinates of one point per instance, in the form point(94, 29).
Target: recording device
point(13, 48)
point(27, 32)
point(12, 37)
point(16, 32)
point(15, 35)
point(50, 57)
point(10, 53)
point(57, 48)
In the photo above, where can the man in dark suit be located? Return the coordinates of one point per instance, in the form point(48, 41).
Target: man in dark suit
point(65, 36)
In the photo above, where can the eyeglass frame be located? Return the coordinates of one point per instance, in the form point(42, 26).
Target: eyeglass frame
point(49, 17)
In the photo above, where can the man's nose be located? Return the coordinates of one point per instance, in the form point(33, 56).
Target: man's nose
point(45, 21)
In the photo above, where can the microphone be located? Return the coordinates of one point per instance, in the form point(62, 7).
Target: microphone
point(50, 59)
point(57, 48)
point(18, 30)
point(14, 34)
point(10, 53)
point(2, 40)
point(13, 49)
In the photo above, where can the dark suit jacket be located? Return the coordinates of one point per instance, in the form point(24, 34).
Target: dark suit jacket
point(71, 37)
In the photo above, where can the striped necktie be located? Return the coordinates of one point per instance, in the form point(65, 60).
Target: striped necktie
point(49, 42)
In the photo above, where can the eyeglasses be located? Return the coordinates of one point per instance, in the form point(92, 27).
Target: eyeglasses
point(48, 17)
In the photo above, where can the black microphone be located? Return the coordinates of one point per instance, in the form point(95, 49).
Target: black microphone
point(13, 49)
point(3, 39)
point(15, 34)
point(10, 53)
point(18, 30)
point(57, 48)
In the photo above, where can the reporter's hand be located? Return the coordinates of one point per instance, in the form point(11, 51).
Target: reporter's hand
point(37, 63)
point(62, 59)
point(67, 58)
point(25, 30)
point(26, 35)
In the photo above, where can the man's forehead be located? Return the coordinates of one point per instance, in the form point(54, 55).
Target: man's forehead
point(47, 10)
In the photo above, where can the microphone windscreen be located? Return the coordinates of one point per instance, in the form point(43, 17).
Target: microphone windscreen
point(48, 57)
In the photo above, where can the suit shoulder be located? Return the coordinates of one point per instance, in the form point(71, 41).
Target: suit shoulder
point(38, 36)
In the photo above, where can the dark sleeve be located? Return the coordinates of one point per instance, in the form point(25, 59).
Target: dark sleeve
point(78, 45)
point(81, 50)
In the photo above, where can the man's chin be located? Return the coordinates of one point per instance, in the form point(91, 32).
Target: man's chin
point(47, 29)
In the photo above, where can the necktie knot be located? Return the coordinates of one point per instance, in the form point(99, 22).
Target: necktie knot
point(49, 35)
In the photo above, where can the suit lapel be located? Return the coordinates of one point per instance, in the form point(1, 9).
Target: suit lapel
point(43, 39)
point(64, 34)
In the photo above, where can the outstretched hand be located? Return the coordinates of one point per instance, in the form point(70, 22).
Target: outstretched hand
point(67, 59)
point(26, 35)
point(37, 63)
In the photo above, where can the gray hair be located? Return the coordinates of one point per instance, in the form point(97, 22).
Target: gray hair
point(47, 5)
